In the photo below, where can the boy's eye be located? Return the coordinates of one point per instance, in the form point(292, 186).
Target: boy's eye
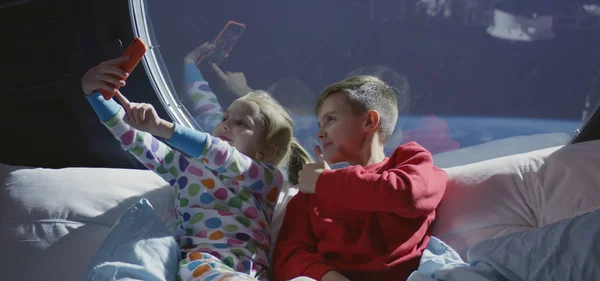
point(224, 119)
point(329, 118)
point(241, 123)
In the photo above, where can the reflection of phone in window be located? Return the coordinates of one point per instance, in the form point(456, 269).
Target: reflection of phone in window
point(135, 52)
point(230, 34)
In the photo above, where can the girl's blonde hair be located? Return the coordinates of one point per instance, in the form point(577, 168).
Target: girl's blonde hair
point(279, 132)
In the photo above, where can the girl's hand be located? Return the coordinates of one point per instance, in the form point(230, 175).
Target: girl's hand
point(143, 117)
point(104, 76)
point(194, 55)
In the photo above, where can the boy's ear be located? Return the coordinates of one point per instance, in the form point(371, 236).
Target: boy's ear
point(372, 120)
point(267, 154)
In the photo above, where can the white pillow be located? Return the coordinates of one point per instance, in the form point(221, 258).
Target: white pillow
point(287, 193)
point(499, 148)
point(519, 192)
point(52, 221)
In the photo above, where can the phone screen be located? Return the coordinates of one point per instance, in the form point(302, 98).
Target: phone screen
point(230, 34)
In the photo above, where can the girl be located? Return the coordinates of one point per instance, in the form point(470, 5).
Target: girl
point(226, 190)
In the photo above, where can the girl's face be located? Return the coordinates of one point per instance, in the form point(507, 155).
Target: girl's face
point(242, 127)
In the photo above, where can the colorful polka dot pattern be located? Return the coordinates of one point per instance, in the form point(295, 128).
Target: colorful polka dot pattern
point(212, 266)
point(206, 108)
point(224, 199)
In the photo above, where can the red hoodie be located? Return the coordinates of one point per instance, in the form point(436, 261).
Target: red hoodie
point(368, 223)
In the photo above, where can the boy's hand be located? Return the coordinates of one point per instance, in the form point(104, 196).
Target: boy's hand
point(195, 54)
point(235, 81)
point(104, 76)
point(143, 117)
point(307, 178)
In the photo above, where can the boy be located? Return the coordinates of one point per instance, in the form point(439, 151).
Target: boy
point(370, 220)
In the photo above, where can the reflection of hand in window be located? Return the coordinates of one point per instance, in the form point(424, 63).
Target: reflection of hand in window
point(233, 81)
point(195, 55)
point(203, 103)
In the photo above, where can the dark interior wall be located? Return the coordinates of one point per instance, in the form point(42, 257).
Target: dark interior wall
point(46, 48)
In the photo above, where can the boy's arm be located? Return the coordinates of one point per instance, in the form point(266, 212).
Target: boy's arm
point(205, 107)
point(154, 154)
point(295, 252)
point(414, 187)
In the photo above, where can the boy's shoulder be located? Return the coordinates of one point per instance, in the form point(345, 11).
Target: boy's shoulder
point(411, 147)
point(410, 153)
point(406, 153)
point(300, 199)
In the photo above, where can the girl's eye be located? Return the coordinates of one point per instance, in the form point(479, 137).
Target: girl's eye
point(224, 119)
point(329, 118)
point(241, 123)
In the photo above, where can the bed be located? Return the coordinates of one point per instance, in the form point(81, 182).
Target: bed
point(53, 221)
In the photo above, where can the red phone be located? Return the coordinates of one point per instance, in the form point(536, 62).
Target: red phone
point(135, 51)
point(229, 35)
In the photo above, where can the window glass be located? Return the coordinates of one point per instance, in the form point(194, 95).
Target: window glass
point(475, 79)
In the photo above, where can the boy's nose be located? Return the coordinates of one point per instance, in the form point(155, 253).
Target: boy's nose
point(320, 134)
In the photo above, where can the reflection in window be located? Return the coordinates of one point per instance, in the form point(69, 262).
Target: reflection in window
point(504, 76)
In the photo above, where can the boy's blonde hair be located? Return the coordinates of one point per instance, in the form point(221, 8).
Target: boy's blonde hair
point(279, 131)
point(399, 84)
point(365, 93)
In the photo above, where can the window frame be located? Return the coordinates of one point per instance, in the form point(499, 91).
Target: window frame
point(154, 65)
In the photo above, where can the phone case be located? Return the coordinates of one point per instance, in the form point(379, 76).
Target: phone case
point(224, 42)
point(135, 51)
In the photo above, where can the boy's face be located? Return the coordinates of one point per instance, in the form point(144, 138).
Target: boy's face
point(340, 131)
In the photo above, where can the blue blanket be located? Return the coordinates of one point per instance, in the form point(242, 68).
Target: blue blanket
point(565, 250)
